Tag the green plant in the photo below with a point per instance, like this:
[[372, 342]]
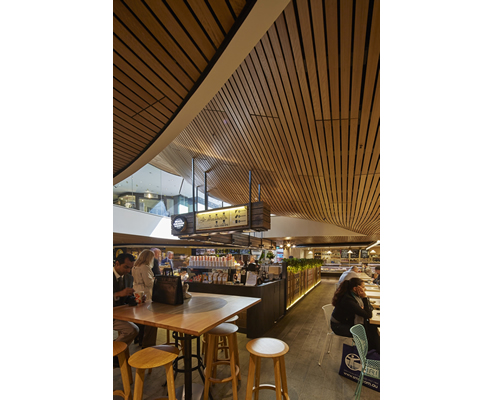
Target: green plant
[[295, 265]]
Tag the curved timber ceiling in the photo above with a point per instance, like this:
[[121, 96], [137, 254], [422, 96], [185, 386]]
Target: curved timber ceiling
[[169, 59], [301, 112]]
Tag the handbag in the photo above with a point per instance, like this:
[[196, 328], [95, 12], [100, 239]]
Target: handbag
[[167, 290], [351, 366]]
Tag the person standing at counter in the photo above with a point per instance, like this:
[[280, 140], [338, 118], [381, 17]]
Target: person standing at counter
[[352, 307], [157, 261], [252, 264], [169, 259]]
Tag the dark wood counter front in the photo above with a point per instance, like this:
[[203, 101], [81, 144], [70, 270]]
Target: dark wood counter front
[[257, 320]]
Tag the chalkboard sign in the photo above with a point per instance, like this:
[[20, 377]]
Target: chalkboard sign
[[355, 254], [364, 254]]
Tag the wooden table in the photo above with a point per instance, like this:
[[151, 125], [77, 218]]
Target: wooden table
[[373, 294], [371, 286], [194, 317], [363, 276], [376, 303], [376, 317]]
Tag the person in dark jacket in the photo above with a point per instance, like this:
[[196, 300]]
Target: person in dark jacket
[[352, 307], [157, 261], [122, 293]]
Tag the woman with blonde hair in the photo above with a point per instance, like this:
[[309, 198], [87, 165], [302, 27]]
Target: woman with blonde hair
[[143, 277], [143, 280]]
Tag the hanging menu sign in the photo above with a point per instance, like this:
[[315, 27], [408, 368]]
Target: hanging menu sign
[[222, 218]]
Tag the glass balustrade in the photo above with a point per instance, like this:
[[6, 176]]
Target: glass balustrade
[[158, 192]]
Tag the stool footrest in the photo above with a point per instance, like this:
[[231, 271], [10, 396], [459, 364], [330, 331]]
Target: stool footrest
[[120, 393], [271, 387], [228, 379]]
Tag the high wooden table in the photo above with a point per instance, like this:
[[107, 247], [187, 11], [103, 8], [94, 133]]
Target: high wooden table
[[194, 317], [376, 318], [373, 294], [376, 303], [364, 276], [371, 286]]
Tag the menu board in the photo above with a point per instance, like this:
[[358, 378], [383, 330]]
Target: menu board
[[222, 218], [251, 278], [345, 254], [364, 254]]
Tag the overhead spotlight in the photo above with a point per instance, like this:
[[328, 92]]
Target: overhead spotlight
[[293, 245], [281, 246], [288, 244]]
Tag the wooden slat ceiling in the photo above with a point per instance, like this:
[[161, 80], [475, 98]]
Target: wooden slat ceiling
[[302, 113], [161, 50]]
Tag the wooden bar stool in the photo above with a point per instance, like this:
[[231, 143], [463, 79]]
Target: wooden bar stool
[[127, 352], [233, 320], [212, 360], [119, 349], [267, 348], [222, 341], [152, 357], [171, 350]]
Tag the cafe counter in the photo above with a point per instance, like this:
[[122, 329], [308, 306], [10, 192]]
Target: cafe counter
[[257, 320]]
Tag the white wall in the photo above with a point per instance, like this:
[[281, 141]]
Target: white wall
[[285, 226], [134, 222]]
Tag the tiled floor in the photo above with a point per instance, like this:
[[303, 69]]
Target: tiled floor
[[304, 329]]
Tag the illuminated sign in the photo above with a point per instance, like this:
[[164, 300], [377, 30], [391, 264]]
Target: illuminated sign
[[179, 223], [222, 218]]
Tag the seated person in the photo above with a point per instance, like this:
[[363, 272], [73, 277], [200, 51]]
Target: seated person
[[352, 307], [122, 293], [349, 274], [143, 279], [377, 276], [367, 270]]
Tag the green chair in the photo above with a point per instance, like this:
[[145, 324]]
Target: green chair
[[328, 309], [369, 367]]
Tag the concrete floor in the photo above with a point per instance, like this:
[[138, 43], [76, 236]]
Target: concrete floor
[[304, 329]]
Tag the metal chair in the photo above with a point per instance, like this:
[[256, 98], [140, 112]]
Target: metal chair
[[328, 309], [369, 367]]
